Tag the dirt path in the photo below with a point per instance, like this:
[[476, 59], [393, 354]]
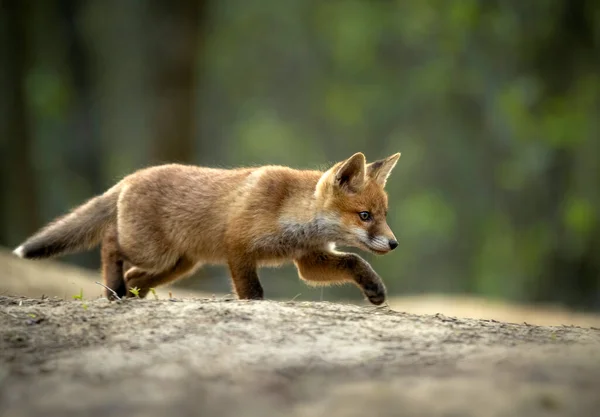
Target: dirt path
[[235, 358]]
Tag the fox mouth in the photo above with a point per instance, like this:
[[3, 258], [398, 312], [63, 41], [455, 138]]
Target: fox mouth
[[377, 251], [378, 245]]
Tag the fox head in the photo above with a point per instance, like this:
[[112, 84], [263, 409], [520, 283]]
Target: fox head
[[352, 197]]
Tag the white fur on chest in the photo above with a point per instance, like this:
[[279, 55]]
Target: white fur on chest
[[295, 238]]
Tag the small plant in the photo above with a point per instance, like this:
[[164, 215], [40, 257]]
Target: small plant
[[80, 298], [153, 291], [135, 291]]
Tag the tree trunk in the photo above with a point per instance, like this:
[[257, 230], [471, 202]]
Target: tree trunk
[[83, 151], [173, 55], [19, 215]]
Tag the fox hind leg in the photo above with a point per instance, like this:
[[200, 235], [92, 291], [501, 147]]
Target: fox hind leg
[[144, 280], [112, 264], [326, 268]]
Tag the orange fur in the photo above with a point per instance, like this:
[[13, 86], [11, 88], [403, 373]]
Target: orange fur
[[163, 222]]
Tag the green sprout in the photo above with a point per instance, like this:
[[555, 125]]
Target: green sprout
[[153, 291]]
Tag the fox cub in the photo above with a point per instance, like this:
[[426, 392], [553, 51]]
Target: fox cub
[[161, 223]]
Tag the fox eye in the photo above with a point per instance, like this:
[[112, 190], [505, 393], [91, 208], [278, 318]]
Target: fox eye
[[364, 216]]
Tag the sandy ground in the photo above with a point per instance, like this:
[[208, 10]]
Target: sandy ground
[[233, 358], [213, 356], [35, 279]]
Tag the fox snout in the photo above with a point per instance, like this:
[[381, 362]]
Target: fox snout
[[378, 239], [382, 244], [382, 239]]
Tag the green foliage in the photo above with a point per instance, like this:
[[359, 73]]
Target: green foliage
[[80, 298], [153, 291], [466, 90]]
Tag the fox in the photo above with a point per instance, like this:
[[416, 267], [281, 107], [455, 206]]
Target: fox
[[162, 223]]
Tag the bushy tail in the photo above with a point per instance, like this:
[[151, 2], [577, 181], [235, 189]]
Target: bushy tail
[[81, 229]]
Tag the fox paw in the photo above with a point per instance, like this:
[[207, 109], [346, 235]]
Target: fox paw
[[133, 273], [375, 292], [136, 278]]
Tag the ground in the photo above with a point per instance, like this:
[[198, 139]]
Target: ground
[[219, 357], [36, 279]]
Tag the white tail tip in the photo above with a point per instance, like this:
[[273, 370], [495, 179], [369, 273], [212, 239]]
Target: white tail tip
[[20, 251]]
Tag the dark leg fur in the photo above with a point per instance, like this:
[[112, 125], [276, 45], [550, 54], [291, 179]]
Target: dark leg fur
[[329, 268], [112, 264], [245, 280]]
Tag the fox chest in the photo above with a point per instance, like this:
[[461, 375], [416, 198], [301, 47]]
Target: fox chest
[[292, 241]]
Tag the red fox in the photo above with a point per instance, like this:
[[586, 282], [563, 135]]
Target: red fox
[[161, 223]]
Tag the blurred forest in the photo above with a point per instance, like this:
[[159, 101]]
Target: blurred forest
[[494, 105]]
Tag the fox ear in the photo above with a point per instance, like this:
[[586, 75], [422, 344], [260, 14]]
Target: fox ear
[[351, 173], [380, 170]]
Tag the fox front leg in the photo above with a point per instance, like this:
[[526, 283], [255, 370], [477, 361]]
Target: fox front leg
[[245, 279], [325, 268]]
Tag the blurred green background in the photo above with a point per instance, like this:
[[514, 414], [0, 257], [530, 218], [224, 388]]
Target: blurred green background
[[494, 105]]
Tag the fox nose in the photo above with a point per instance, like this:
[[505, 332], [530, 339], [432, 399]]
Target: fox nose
[[393, 244]]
